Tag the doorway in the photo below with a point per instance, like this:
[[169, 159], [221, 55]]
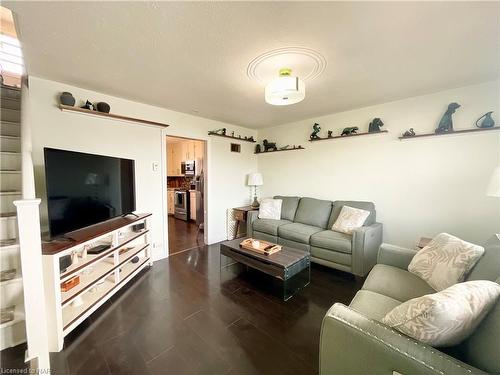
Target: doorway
[[186, 176]]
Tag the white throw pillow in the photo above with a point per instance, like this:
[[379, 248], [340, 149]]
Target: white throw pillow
[[445, 261], [445, 318], [350, 218], [270, 209]]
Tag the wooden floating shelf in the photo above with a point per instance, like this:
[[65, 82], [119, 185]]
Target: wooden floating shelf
[[449, 133], [287, 149], [347, 136], [232, 137], [68, 108]]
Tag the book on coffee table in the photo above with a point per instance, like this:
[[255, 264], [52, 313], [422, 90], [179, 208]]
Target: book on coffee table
[[260, 246]]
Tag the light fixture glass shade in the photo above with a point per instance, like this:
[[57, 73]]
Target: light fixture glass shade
[[255, 179], [494, 185], [285, 89]]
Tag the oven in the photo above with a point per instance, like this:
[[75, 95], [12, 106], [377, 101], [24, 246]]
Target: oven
[[181, 205]]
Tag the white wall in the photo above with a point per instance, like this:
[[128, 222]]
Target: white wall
[[420, 187], [226, 171]]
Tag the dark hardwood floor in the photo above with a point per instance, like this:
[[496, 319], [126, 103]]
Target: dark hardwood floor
[[183, 235], [186, 316]]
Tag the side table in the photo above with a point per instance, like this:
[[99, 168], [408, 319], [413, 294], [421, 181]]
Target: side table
[[240, 214]]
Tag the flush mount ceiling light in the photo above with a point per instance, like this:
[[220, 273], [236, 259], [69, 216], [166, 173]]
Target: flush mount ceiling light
[[286, 89]]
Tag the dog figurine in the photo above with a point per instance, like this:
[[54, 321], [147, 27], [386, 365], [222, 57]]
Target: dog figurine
[[349, 130], [269, 146], [446, 122], [375, 125]]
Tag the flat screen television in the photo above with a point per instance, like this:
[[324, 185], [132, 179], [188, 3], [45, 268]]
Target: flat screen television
[[85, 189]]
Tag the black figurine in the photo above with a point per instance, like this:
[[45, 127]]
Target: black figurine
[[330, 133], [269, 146], [88, 105], [257, 149], [251, 139], [409, 133], [375, 125], [349, 130], [446, 122], [232, 134], [488, 121], [314, 134]]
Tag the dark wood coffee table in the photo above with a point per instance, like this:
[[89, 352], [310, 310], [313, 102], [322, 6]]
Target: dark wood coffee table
[[291, 266]]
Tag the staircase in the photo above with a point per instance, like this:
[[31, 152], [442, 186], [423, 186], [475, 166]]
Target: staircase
[[12, 332]]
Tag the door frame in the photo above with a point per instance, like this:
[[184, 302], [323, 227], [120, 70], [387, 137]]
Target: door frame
[[164, 186]]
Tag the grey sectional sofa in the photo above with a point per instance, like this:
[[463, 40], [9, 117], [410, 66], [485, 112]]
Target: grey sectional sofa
[[382, 350], [305, 224]]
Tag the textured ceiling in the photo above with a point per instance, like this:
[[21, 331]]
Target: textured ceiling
[[195, 56]]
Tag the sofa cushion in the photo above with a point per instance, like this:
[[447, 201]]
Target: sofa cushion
[[373, 305], [297, 232], [331, 256], [313, 212], [396, 283], [269, 226], [288, 207], [329, 239], [337, 207]]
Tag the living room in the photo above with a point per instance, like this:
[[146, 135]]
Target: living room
[[367, 139]]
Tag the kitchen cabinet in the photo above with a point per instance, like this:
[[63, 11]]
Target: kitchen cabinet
[[171, 202], [192, 202]]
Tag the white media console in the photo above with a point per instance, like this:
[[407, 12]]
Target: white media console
[[100, 275]]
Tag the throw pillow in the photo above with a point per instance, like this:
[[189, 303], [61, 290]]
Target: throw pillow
[[448, 317], [349, 219], [445, 261], [270, 209]]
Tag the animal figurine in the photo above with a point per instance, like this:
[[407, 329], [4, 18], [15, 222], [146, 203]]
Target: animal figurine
[[446, 122], [314, 134], [257, 149], [375, 125], [269, 146], [221, 131], [488, 121], [330, 133], [251, 139], [409, 133], [349, 130], [88, 105]]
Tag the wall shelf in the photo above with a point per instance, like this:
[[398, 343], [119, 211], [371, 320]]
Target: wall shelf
[[449, 133], [232, 137], [67, 108], [348, 136], [287, 149]]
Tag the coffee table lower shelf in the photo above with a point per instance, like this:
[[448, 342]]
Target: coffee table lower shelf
[[292, 267]]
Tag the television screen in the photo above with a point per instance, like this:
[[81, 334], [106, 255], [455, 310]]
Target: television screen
[[85, 189]]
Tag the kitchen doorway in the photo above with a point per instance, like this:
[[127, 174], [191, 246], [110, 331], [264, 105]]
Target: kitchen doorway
[[186, 176]]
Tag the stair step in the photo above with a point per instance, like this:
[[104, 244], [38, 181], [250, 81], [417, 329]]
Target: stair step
[[10, 143], [7, 199], [10, 128], [11, 103], [10, 192], [9, 171], [9, 245], [10, 160], [18, 317], [16, 280], [10, 180], [12, 115]]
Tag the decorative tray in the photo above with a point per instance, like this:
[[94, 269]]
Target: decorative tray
[[260, 246]]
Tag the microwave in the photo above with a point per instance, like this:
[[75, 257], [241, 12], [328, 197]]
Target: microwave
[[188, 168]]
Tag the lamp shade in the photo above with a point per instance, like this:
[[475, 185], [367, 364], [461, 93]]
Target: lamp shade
[[255, 179], [285, 89], [494, 185]]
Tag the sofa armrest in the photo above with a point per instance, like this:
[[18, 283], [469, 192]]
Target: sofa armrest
[[365, 243], [251, 217], [352, 344], [395, 256]]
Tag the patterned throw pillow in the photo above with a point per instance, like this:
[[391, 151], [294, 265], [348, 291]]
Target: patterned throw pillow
[[445, 261], [350, 218], [270, 209], [445, 318]]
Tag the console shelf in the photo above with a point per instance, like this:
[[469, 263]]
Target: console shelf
[[286, 149], [100, 275], [232, 137]]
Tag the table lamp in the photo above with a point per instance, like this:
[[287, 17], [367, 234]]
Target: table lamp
[[255, 179]]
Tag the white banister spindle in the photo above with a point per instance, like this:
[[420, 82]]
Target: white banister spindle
[[34, 295]]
